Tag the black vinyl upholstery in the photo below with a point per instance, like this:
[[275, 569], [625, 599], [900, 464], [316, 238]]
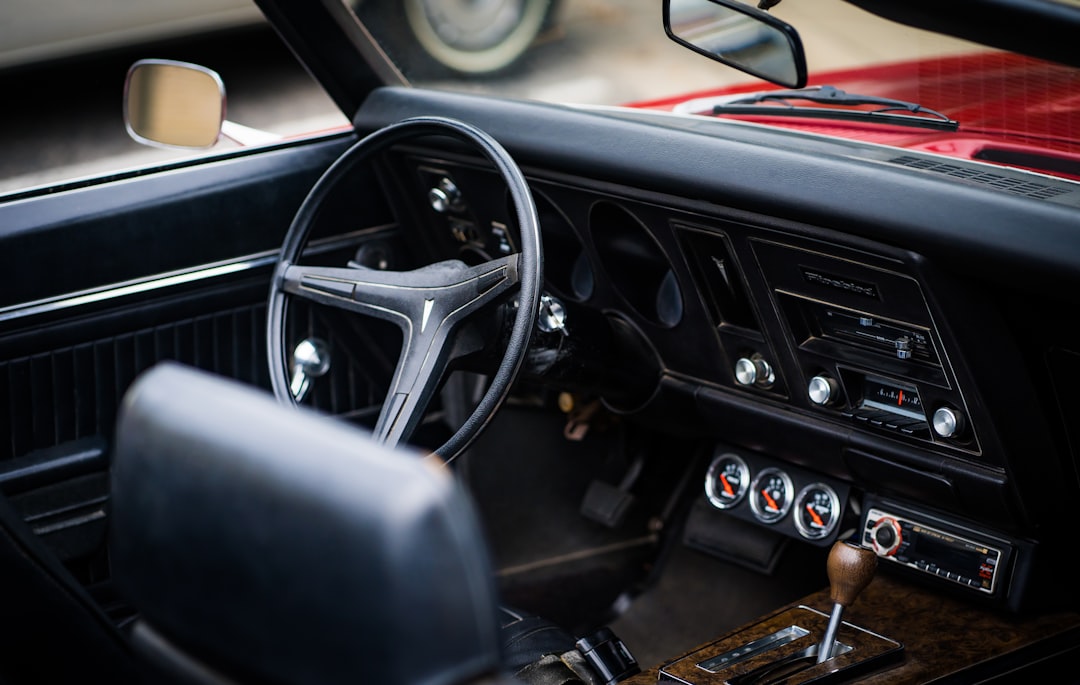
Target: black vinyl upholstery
[[271, 544]]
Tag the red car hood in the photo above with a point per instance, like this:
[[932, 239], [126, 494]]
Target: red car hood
[[1012, 110]]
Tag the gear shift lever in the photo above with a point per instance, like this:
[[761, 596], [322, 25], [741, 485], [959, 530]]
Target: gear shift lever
[[850, 570], [784, 647]]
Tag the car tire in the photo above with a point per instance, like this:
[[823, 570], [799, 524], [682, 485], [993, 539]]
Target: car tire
[[458, 36]]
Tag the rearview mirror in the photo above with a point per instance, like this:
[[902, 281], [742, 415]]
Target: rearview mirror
[[173, 104], [740, 36]]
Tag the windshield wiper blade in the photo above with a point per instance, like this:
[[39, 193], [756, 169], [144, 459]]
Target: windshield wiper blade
[[890, 108]]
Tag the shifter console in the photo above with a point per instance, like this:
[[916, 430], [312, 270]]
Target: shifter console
[[798, 645], [784, 646]]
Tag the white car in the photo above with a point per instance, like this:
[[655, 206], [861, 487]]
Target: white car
[[462, 36], [33, 31], [466, 36]]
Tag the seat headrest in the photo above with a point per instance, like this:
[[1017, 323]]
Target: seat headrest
[[278, 545]]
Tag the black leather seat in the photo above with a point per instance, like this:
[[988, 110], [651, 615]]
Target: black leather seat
[[264, 544]]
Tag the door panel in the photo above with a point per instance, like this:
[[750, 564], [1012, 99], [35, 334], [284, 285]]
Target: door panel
[[173, 264]]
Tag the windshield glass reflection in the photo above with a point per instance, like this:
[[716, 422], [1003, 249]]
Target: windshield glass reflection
[[611, 52]]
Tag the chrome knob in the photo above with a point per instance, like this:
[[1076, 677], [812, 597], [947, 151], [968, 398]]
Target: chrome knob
[[822, 390], [754, 370], [552, 315], [903, 347], [444, 196], [948, 422], [311, 359]]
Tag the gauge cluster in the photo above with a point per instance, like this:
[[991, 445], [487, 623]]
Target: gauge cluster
[[788, 499]]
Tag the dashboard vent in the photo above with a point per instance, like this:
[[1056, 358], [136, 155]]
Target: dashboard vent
[[717, 272], [982, 177]]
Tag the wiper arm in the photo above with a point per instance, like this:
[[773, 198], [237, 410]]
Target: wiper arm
[[745, 104], [831, 95]]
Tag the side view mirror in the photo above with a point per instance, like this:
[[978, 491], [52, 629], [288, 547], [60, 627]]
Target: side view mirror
[[173, 104], [740, 36], [181, 105]]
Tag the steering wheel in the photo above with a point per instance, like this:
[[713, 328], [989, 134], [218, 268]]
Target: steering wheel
[[429, 304]]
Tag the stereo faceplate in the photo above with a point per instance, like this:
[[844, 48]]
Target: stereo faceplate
[[937, 548]]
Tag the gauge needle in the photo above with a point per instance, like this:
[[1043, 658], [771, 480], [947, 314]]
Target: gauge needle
[[727, 486], [769, 499], [814, 515]]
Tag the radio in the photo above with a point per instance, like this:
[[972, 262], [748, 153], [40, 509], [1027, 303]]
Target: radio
[[936, 548]]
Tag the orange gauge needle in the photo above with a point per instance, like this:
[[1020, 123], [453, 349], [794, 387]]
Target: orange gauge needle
[[727, 486], [814, 515], [769, 499]]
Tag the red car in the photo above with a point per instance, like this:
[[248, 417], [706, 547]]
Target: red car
[[767, 376], [979, 91]]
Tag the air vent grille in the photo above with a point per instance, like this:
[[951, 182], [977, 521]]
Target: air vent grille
[[719, 276], [1008, 184]]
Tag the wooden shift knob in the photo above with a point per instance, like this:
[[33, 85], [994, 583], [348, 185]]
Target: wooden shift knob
[[850, 570]]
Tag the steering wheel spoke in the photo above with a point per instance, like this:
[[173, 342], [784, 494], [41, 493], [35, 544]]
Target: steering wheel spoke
[[428, 304], [424, 359], [441, 291]]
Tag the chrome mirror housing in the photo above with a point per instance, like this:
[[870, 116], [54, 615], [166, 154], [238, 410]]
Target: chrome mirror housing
[[173, 104]]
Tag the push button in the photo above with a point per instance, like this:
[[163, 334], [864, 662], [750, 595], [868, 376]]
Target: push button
[[898, 422], [916, 430], [867, 416]]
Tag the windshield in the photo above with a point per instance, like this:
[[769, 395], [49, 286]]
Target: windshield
[[68, 69], [615, 52]]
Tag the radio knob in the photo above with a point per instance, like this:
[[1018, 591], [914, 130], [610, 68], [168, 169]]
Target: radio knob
[[948, 422], [754, 370], [903, 347], [885, 536], [822, 390]]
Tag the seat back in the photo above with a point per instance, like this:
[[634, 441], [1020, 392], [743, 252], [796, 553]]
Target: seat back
[[268, 544]]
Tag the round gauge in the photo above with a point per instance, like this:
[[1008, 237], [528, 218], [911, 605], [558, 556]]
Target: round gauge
[[817, 510], [727, 480], [770, 495]]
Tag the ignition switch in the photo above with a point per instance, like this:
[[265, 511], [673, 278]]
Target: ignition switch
[[445, 196], [552, 315]]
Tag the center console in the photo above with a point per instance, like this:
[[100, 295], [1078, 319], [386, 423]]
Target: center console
[[781, 648], [893, 632]]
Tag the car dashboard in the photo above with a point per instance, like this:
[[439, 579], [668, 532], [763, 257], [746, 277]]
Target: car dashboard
[[868, 344], [839, 318]]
